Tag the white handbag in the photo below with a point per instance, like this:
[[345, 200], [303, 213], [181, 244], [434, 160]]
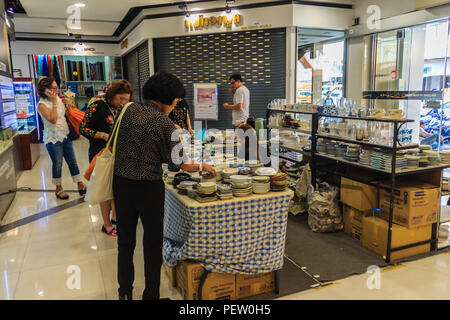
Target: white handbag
[[99, 188]]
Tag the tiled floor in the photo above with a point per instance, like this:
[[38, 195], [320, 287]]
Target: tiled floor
[[41, 259]]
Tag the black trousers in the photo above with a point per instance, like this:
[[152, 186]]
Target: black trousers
[[139, 199]]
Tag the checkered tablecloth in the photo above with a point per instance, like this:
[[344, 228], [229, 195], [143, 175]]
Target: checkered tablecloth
[[240, 235]]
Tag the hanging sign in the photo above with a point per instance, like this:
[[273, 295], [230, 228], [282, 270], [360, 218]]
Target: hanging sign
[[206, 105]]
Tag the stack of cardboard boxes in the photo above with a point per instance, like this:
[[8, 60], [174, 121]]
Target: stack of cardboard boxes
[[416, 207], [186, 276]]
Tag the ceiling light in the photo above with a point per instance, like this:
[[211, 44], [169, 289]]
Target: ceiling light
[[186, 11], [80, 5]]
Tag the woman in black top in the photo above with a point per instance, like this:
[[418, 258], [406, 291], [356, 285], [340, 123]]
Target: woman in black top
[[97, 124], [180, 116], [144, 142]]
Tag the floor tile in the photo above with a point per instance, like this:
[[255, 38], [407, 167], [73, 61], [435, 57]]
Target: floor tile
[[12, 257], [54, 282], [68, 250], [8, 283]]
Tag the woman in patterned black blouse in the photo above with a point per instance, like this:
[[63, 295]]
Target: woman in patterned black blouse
[[97, 124], [180, 115], [144, 142]]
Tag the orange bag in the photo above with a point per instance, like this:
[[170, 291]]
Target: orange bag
[[75, 116], [90, 169]]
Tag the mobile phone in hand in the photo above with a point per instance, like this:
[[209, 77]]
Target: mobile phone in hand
[[49, 93]]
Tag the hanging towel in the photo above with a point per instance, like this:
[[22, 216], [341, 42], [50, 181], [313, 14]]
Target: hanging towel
[[45, 67], [56, 74], [50, 65], [61, 70], [36, 65], [81, 71], [69, 70]]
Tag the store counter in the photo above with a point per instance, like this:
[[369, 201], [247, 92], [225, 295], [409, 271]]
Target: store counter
[[7, 177], [29, 143], [242, 235]]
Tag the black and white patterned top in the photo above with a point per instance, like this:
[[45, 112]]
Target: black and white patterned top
[[143, 143]]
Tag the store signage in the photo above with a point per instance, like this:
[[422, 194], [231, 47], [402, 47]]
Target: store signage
[[78, 49], [403, 95], [204, 22]]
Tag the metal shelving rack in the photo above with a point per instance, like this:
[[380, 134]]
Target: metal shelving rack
[[314, 126], [394, 173]]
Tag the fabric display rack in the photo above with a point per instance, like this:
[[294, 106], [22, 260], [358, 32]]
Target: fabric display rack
[[384, 173]]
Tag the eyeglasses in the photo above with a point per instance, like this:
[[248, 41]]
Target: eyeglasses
[[54, 88]]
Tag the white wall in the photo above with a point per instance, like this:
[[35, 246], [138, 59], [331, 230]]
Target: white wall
[[322, 17], [20, 61]]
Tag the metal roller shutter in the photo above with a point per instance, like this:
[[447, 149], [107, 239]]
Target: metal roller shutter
[[137, 59], [259, 56]]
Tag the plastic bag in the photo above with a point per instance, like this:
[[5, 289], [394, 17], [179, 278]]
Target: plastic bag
[[324, 213], [301, 189]]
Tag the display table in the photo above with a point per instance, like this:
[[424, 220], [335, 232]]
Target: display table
[[243, 235], [8, 183]]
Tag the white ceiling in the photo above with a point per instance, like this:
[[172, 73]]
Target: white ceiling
[[105, 10], [98, 17]]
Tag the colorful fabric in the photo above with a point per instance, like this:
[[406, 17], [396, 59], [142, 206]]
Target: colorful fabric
[[235, 236]]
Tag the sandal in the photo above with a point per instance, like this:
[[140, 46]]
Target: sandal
[[113, 222], [60, 197], [112, 233], [82, 192]]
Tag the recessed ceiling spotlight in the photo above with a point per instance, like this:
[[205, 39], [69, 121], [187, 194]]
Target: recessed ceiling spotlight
[[80, 5]]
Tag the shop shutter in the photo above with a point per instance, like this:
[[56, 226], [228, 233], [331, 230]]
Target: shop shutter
[[137, 60], [259, 56]]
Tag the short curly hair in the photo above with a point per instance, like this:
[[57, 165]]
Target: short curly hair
[[118, 87], [163, 87], [44, 83]]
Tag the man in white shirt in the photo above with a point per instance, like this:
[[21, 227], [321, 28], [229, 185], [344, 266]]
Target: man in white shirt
[[241, 100]]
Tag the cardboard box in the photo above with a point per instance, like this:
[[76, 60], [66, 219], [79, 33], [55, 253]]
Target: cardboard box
[[414, 205], [248, 285], [353, 221], [375, 237], [217, 286], [358, 195], [171, 274]]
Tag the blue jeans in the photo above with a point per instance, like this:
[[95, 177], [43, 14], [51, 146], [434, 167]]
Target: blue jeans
[[59, 150]]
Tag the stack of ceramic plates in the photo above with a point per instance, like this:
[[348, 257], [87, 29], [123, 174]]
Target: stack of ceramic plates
[[278, 182], [241, 185], [445, 157], [341, 150], [424, 147], [195, 176], [365, 158], [245, 171], [170, 176], [400, 163], [375, 159], [254, 165], [321, 146], [218, 174], [184, 185], [206, 192], [206, 188], [208, 177], [413, 161], [228, 172], [261, 184], [265, 171], [433, 157], [413, 152], [423, 161], [352, 153], [330, 148], [224, 191]]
